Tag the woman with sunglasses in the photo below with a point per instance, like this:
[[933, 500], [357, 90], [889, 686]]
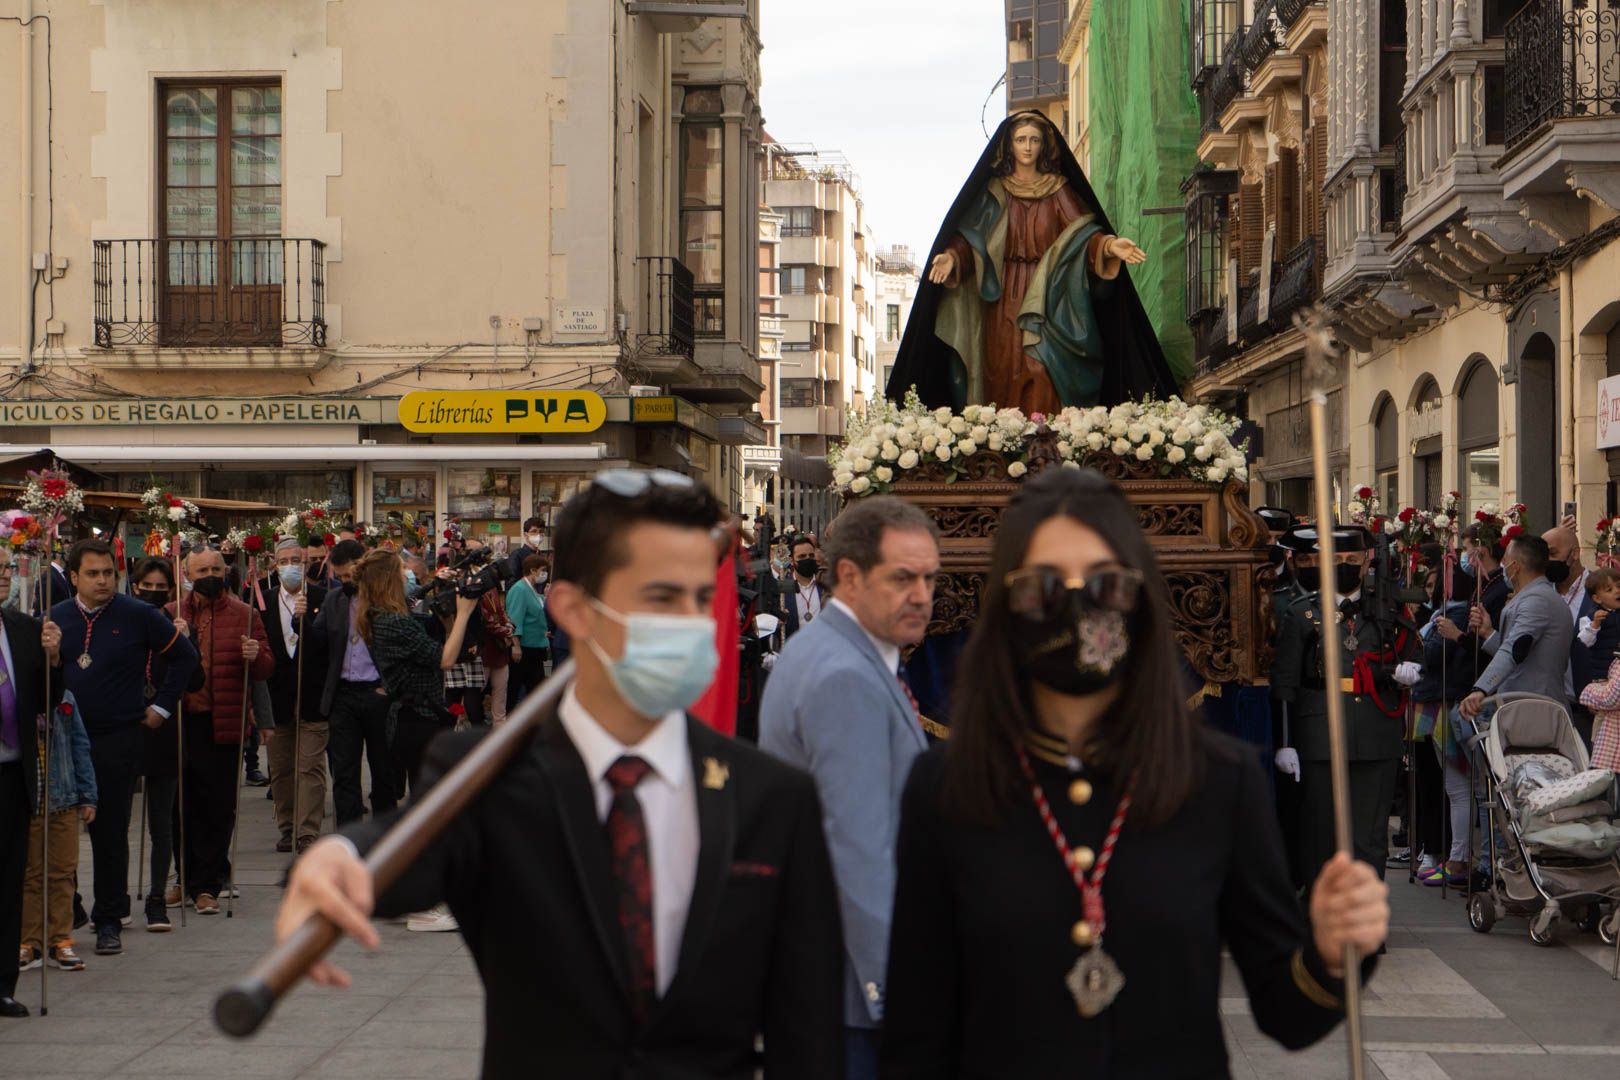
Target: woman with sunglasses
[[1073, 860]]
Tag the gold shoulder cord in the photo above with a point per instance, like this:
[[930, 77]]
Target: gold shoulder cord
[[1310, 987]]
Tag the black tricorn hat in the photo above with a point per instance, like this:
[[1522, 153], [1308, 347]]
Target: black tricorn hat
[[1305, 539], [1276, 518]]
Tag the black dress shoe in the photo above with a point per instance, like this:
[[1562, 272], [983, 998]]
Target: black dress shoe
[[255, 778], [12, 1008]]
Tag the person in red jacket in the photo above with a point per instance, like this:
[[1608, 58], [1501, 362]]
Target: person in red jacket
[[229, 640]]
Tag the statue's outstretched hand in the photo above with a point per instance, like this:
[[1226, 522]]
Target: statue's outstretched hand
[[1125, 250], [943, 267]]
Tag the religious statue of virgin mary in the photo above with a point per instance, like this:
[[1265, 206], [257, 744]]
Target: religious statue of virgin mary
[[1027, 301]]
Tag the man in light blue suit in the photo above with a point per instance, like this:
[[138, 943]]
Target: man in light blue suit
[[835, 706]]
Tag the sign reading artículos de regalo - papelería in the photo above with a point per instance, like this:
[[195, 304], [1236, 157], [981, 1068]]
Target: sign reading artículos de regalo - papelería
[[197, 411]]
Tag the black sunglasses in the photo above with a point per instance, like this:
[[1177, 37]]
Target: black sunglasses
[[1040, 592]]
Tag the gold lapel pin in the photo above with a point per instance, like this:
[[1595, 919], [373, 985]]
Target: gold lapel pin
[[715, 774]]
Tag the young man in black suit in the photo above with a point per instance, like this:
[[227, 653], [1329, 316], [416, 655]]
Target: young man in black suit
[[23, 647], [803, 594], [673, 885]]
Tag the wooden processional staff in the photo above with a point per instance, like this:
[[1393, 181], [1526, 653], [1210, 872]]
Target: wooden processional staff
[[1319, 356]]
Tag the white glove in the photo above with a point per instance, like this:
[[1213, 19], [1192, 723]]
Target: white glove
[[768, 661], [1589, 632], [1407, 673], [1288, 761]]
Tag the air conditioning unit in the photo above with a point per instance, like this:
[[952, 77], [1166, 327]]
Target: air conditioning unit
[[645, 391]]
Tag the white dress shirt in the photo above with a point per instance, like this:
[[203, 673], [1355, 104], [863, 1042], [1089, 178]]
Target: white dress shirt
[[809, 601], [289, 633], [887, 651], [668, 797]]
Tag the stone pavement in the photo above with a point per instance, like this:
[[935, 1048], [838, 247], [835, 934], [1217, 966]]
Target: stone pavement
[[1446, 1002]]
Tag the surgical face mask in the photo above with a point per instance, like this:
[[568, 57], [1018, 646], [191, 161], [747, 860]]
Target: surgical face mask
[[1467, 563], [1557, 571], [540, 578], [350, 588], [1347, 577], [292, 575], [410, 580], [668, 661], [1309, 576], [209, 588], [534, 540], [155, 597], [807, 568]]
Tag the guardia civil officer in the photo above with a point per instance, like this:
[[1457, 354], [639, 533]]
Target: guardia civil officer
[[1373, 645]]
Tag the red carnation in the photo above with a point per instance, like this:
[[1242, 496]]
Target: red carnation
[[1377, 524], [253, 544], [54, 489], [1603, 526], [176, 501], [1407, 515], [448, 535], [65, 709], [22, 523], [458, 710], [1480, 515], [1364, 493], [316, 512], [330, 539], [1513, 532]]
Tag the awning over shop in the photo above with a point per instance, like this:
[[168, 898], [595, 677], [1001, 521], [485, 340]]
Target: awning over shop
[[347, 452], [19, 461]]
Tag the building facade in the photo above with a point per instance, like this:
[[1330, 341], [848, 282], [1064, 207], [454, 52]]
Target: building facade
[[251, 230], [1036, 78], [897, 277], [1466, 218], [1254, 229], [826, 285]]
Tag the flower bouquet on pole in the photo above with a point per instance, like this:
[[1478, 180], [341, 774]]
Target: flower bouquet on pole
[[25, 540], [312, 525], [1607, 542], [49, 497], [168, 518]]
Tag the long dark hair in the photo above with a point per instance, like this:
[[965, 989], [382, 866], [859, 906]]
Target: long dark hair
[[1149, 732], [1048, 161]]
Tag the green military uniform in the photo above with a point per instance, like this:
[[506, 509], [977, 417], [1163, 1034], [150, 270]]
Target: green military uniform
[[1373, 738]]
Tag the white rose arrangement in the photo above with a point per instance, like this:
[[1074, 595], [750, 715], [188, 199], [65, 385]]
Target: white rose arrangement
[[1173, 438]]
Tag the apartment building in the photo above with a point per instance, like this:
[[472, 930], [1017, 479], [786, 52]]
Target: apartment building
[[239, 234]]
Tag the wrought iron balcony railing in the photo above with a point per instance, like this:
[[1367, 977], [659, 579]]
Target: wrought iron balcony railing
[[1563, 61], [1212, 24], [1289, 11], [667, 307], [1263, 38], [210, 292], [1227, 82], [1296, 281]]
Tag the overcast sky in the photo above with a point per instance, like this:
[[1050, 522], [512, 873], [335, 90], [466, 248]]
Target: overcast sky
[[897, 86]]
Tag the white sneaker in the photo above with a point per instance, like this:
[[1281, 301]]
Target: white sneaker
[[433, 920], [1426, 866]]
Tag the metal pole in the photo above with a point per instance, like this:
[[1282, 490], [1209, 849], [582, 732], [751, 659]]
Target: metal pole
[[180, 748], [45, 800], [140, 861], [298, 718], [241, 743], [1332, 668]]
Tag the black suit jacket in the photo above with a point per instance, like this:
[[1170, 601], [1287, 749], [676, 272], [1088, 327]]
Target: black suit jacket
[[790, 602], [328, 642], [28, 677], [526, 871], [284, 684]]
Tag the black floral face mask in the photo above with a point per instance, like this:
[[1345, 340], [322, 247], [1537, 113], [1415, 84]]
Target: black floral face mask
[[1073, 637]]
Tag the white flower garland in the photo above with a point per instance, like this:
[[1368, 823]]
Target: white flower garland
[[888, 440]]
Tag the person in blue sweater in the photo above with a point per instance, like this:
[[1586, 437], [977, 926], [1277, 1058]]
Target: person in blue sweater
[[106, 640]]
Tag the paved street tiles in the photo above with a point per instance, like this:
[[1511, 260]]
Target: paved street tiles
[[1445, 1004]]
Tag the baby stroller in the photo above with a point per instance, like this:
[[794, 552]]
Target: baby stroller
[[1552, 829]]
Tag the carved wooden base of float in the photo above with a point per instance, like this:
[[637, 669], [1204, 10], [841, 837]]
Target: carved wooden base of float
[[1211, 547]]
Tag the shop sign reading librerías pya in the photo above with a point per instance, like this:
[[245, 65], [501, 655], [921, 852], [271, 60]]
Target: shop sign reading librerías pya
[[136, 411], [494, 412]]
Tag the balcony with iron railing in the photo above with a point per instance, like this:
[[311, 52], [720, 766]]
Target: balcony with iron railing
[[1226, 84], [1289, 11], [1263, 37], [666, 326], [1297, 280], [1563, 62], [264, 292], [1213, 22]]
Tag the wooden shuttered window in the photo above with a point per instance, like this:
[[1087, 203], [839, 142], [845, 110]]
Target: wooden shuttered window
[[1251, 230], [1288, 211]]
